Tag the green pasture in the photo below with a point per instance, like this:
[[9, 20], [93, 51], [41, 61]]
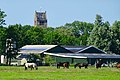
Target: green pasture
[[52, 73]]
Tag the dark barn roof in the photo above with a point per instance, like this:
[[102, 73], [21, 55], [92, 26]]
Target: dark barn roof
[[74, 49], [66, 51], [37, 49], [91, 49], [58, 49], [83, 49], [87, 55], [85, 52]]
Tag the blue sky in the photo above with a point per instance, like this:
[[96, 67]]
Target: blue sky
[[60, 12]]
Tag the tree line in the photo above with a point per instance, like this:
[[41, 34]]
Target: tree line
[[100, 34]]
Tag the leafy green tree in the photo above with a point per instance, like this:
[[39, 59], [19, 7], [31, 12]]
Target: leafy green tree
[[52, 38], [34, 36], [48, 30], [80, 30], [65, 30], [2, 16], [48, 35], [2, 40], [14, 32], [49, 60], [98, 21], [23, 39], [34, 57], [104, 32], [2, 32], [10, 50], [94, 36], [115, 38], [99, 36]]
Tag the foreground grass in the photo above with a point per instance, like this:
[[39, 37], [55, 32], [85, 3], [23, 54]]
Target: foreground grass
[[51, 73]]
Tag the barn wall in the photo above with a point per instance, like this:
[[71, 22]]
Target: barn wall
[[70, 60], [112, 60], [107, 60], [89, 60], [62, 59], [92, 61], [79, 61]]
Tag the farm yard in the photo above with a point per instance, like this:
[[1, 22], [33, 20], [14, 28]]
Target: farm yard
[[52, 73], [58, 54], [72, 49]]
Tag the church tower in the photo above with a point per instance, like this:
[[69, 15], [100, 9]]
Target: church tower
[[40, 19]]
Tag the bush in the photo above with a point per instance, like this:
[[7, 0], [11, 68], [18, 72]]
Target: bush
[[3, 64]]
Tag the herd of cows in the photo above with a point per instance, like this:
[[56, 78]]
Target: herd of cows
[[67, 64]]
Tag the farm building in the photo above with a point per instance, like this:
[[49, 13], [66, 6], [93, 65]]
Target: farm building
[[72, 54], [40, 49], [88, 54]]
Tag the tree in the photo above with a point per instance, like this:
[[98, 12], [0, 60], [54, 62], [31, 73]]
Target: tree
[[34, 36], [15, 32], [75, 33], [104, 34], [98, 21], [22, 35], [49, 60], [115, 38], [80, 28], [2, 40], [2, 32], [99, 36], [14, 36], [10, 50], [52, 38], [2, 16], [94, 36], [67, 37], [33, 58]]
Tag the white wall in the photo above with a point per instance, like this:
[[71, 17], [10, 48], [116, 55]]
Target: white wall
[[2, 58]]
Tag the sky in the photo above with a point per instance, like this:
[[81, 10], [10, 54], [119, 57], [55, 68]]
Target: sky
[[60, 12]]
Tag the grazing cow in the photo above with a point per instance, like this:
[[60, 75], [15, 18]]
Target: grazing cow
[[81, 65], [63, 64], [118, 65], [30, 65], [98, 63]]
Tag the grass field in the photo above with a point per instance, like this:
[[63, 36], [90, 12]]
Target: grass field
[[51, 73]]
